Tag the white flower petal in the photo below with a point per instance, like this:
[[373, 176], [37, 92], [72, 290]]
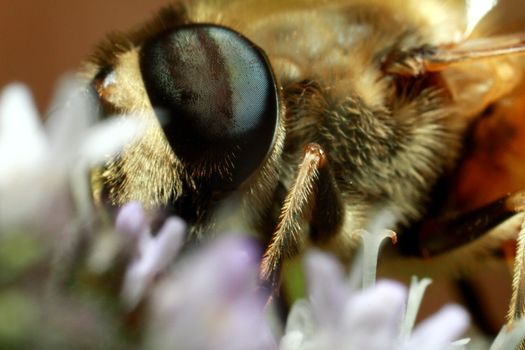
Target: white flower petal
[[326, 287], [73, 111], [371, 318], [415, 295], [107, 138], [372, 241], [292, 340], [440, 330], [510, 338], [299, 325], [460, 344], [23, 141]]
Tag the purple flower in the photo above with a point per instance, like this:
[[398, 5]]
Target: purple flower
[[153, 253], [208, 299], [211, 301], [336, 316]]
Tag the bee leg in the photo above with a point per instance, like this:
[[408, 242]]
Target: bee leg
[[517, 305], [407, 62], [327, 212], [441, 235], [312, 186]]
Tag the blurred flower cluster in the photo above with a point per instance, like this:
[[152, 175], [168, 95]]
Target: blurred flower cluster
[[71, 279]]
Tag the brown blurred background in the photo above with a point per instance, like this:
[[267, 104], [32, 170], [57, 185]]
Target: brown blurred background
[[41, 40]]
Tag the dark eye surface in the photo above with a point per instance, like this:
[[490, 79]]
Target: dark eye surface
[[215, 96]]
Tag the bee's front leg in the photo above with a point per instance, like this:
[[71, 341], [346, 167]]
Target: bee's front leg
[[314, 197]]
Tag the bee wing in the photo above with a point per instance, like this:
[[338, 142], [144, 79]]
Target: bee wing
[[472, 50], [477, 71], [425, 59]]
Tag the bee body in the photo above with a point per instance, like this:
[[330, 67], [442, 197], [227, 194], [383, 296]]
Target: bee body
[[337, 142]]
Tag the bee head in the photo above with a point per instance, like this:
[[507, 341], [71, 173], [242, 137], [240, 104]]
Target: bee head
[[215, 97], [213, 113]]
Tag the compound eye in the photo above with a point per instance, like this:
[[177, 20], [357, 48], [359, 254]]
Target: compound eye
[[215, 96]]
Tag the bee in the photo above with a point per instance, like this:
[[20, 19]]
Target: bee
[[306, 121]]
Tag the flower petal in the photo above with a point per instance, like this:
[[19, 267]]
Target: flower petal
[[510, 338], [155, 253], [107, 138], [372, 317], [22, 138], [372, 239], [415, 295], [326, 287], [131, 220], [211, 301], [440, 330], [299, 325], [74, 110]]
